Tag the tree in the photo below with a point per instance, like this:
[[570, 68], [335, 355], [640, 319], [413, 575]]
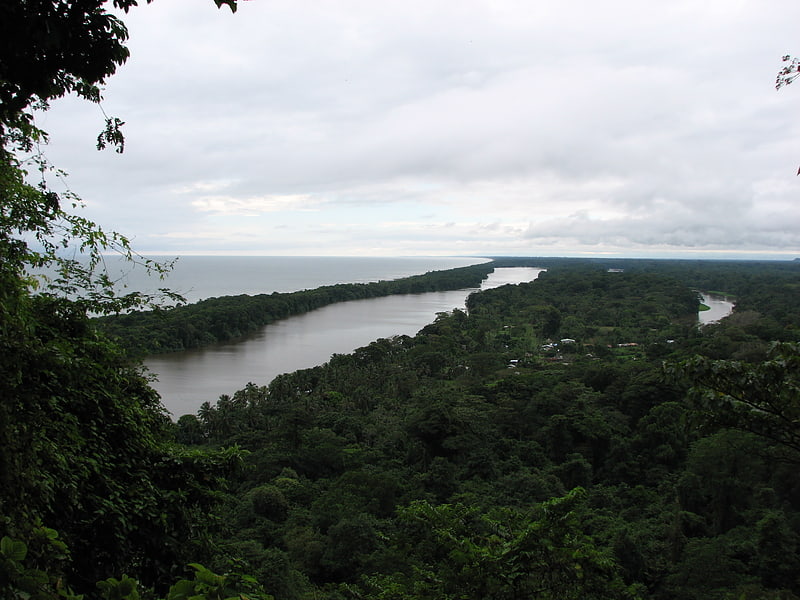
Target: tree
[[762, 398], [86, 443], [788, 74], [48, 49], [459, 552], [51, 48]]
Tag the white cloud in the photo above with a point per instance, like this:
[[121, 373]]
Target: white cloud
[[203, 187], [483, 127], [228, 205]]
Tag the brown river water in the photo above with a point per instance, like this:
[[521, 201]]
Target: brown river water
[[187, 379]]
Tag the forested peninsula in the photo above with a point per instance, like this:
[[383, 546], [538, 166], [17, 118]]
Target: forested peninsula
[[227, 318]]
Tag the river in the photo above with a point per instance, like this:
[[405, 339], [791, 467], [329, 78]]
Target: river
[[719, 306], [187, 379]]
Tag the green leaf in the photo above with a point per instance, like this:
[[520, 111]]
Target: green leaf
[[126, 586], [13, 549], [182, 589]]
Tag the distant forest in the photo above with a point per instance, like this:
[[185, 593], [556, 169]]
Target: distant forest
[[579, 436], [217, 320]]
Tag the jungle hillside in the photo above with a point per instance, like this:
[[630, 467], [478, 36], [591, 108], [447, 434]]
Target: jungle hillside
[[576, 437]]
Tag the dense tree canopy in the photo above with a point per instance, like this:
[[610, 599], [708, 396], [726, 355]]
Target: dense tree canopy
[[430, 467], [91, 483], [560, 439]]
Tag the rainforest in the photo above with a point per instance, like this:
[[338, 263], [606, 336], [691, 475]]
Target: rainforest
[[579, 436]]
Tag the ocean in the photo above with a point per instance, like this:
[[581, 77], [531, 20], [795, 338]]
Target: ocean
[[199, 277]]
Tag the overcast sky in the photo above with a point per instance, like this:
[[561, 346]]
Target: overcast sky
[[535, 128]]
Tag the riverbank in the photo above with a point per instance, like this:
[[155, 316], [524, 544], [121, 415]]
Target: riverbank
[[228, 318], [714, 307], [187, 379]]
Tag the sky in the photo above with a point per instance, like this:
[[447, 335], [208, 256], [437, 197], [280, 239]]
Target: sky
[[636, 128]]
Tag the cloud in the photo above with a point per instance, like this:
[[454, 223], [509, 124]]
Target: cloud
[[228, 205], [486, 127]]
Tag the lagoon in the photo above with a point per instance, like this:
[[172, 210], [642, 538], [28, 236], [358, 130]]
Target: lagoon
[[187, 379]]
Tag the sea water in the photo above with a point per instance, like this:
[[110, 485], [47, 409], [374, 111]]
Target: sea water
[[200, 277]]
